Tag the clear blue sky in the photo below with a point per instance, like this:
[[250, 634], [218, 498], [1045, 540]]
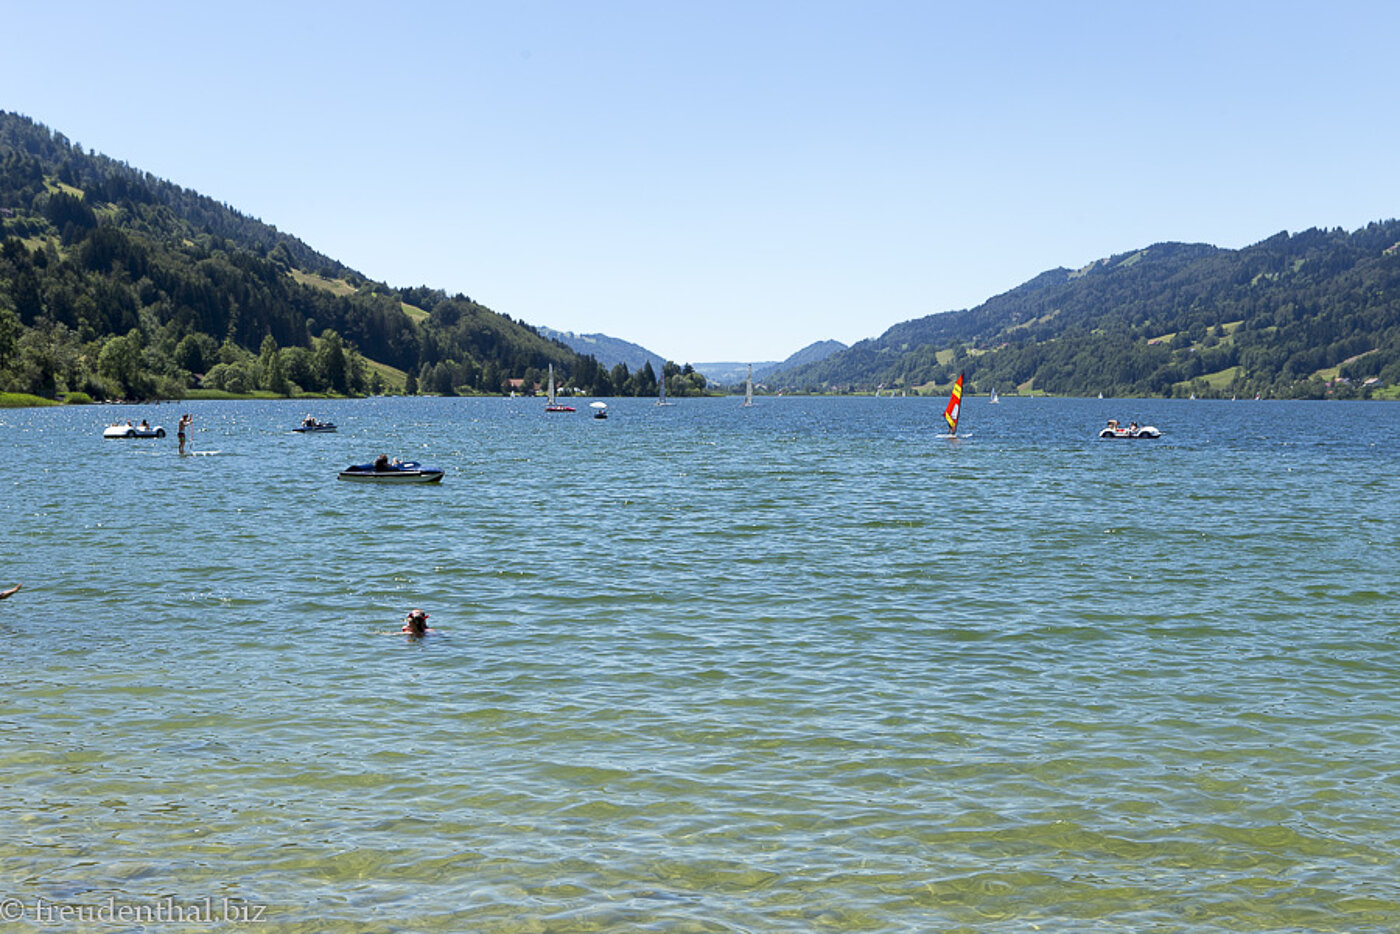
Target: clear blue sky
[[724, 180]]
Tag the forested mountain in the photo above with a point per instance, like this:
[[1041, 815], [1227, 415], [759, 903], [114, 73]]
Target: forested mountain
[[1312, 315], [116, 283], [119, 284]]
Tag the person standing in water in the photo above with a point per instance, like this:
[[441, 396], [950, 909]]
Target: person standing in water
[[183, 429]]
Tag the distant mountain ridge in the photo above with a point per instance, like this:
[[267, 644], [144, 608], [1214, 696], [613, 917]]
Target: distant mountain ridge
[[1308, 315], [731, 373], [812, 353], [608, 351]]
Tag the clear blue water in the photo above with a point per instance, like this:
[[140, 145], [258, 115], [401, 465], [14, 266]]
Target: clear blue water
[[800, 667]]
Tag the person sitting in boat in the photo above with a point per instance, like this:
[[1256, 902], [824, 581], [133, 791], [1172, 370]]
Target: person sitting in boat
[[416, 624], [1132, 426], [1113, 424], [381, 463], [145, 425], [308, 422]]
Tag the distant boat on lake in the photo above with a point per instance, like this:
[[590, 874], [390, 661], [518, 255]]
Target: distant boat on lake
[[994, 399], [552, 404], [748, 387], [661, 391]]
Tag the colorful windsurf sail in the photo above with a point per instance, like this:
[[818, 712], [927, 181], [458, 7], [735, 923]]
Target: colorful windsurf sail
[[954, 409]]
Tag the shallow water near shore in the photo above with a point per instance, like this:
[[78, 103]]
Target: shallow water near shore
[[804, 666]]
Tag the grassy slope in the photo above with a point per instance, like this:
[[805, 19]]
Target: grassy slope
[[393, 377], [334, 286]]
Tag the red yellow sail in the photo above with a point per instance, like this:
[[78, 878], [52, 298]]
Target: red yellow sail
[[954, 409]]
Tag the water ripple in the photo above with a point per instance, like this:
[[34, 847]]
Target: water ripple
[[796, 668]]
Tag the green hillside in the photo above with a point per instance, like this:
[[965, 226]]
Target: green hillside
[[1312, 315], [115, 283]]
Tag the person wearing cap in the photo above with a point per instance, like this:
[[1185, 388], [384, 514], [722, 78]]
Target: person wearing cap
[[416, 623]]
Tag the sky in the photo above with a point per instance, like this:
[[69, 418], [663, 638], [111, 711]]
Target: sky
[[731, 181]]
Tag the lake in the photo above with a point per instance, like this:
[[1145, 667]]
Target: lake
[[805, 666]]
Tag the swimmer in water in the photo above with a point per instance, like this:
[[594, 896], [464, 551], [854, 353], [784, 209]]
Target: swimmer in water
[[416, 624]]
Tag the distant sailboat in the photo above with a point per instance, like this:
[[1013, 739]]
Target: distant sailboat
[[954, 409], [551, 404], [748, 387], [995, 400], [661, 391]]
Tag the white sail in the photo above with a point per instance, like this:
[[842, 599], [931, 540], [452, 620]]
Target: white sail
[[553, 404], [748, 387]]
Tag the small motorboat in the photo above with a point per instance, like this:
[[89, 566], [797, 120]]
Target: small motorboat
[[394, 472], [312, 425], [128, 430], [1134, 430], [600, 409]]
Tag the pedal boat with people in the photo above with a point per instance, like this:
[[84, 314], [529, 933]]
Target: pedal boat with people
[[399, 472], [312, 425], [1134, 430], [133, 431]]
